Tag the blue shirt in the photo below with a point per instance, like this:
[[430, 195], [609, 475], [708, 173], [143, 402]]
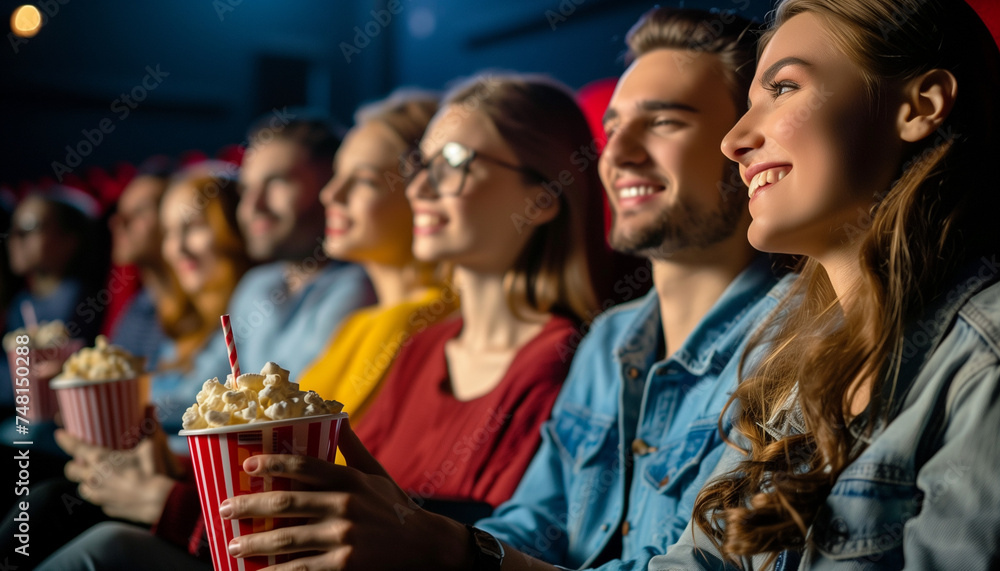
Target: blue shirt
[[138, 329], [271, 324], [618, 397], [924, 494]]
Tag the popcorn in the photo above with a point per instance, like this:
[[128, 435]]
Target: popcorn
[[47, 334], [254, 398], [103, 362]]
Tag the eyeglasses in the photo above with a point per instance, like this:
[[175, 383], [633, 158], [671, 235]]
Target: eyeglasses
[[449, 167]]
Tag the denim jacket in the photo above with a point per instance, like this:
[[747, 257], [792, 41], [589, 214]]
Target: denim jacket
[[925, 493], [619, 398]]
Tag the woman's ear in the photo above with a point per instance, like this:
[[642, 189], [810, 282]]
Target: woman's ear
[[927, 102]]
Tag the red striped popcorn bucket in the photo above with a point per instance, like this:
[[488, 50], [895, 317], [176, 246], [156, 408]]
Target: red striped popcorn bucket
[[104, 413], [217, 455], [31, 374]]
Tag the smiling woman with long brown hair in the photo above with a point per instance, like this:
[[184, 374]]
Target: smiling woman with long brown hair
[[867, 435]]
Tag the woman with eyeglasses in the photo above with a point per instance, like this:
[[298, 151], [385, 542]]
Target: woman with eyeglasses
[[498, 201]]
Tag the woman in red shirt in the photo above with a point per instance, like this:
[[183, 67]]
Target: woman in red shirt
[[498, 200]]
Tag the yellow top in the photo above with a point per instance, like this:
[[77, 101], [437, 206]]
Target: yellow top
[[360, 353]]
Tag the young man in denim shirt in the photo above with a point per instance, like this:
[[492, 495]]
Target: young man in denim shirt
[[636, 428]]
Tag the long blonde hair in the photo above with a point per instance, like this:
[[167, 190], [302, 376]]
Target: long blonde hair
[[922, 229]]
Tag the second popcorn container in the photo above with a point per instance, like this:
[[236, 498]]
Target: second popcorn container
[[102, 394], [34, 362], [310, 427]]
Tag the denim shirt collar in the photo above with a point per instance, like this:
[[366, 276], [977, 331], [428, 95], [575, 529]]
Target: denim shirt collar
[[707, 344], [923, 335], [920, 339]]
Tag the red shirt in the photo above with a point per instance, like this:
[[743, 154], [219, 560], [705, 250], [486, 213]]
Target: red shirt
[[436, 446]]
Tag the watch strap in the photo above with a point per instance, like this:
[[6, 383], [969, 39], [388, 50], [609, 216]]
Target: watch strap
[[488, 549]]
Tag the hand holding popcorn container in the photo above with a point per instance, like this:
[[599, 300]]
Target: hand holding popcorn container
[[102, 394], [250, 415], [48, 348]]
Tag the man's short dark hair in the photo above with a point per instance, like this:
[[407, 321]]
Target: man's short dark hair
[[725, 34], [318, 134]]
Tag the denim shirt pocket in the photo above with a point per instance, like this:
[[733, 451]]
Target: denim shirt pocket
[[676, 464], [579, 433], [865, 514]]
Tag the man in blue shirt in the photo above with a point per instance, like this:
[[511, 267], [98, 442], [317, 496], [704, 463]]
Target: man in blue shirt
[[285, 310], [635, 431]]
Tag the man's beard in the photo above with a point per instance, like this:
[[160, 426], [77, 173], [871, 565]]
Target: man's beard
[[680, 227]]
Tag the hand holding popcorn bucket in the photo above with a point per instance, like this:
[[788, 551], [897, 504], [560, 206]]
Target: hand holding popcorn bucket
[[250, 415]]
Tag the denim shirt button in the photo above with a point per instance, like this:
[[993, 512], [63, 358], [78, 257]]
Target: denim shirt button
[[641, 448], [605, 527], [625, 528], [633, 373]]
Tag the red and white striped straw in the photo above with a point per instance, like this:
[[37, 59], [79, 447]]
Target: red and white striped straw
[[227, 330]]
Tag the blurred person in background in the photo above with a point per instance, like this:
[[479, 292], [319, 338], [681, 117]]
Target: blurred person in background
[[203, 248], [369, 222], [58, 246], [286, 309], [205, 251], [10, 284], [136, 237]]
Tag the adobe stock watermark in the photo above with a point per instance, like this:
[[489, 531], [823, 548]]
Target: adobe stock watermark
[[461, 453], [899, 17], [734, 185], [863, 223], [278, 120], [223, 7], [565, 9], [712, 31], [551, 190], [629, 286], [804, 111], [596, 487], [927, 331], [363, 35], [296, 275], [376, 367], [122, 107]]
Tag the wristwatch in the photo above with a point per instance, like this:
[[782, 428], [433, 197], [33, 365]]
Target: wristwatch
[[488, 550]]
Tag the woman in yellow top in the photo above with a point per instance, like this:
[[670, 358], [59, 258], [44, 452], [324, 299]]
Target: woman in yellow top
[[369, 222]]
